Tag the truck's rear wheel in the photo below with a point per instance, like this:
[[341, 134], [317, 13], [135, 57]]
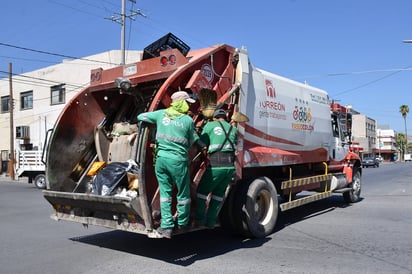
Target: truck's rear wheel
[[230, 216], [40, 181], [353, 195], [227, 214], [260, 208]]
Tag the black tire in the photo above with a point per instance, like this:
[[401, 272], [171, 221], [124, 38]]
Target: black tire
[[234, 210], [40, 181], [226, 215], [353, 195], [260, 208]]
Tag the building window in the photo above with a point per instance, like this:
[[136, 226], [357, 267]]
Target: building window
[[26, 100], [5, 104], [58, 94]]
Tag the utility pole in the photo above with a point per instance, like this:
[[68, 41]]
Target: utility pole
[[11, 105], [121, 19]]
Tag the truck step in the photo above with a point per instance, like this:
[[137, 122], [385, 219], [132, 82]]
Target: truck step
[[306, 181], [305, 200]]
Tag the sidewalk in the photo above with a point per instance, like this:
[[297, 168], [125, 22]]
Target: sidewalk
[[7, 178]]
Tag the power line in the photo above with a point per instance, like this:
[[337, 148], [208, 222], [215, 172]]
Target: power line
[[23, 117], [35, 78], [41, 84], [76, 9], [121, 19], [54, 54], [108, 2], [408, 68], [68, 90], [394, 71], [374, 81], [26, 59], [96, 6]]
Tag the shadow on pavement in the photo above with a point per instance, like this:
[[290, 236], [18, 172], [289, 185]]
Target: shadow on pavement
[[181, 250], [188, 248]]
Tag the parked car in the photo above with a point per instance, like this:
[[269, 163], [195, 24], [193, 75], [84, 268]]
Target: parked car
[[370, 161]]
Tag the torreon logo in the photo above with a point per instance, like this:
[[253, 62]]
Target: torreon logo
[[273, 108], [271, 93], [270, 89]]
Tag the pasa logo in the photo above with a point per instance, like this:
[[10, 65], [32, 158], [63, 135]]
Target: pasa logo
[[207, 72], [166, 121], [218, 131]]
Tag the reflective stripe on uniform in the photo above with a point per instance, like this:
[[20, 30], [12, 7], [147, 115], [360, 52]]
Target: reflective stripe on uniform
[[217, 198], [165, 199], [217, 146], [201, 196], [183, 202], [176, 139]]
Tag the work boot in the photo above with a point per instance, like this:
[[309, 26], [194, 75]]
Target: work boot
[[164, 233], [196, 224], [180, 229]]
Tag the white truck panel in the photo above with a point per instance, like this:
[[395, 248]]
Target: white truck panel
[[285, 114], [29, 161]]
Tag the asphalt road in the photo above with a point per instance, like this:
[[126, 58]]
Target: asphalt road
[[372, 236]]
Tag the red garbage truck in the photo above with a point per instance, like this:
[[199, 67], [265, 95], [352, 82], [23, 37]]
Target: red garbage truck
[[293, 147]]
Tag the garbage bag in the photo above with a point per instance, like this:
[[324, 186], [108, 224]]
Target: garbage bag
[[112, 176]]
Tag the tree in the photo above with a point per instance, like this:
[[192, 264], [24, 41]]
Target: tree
[[404, 110], [400, 141]]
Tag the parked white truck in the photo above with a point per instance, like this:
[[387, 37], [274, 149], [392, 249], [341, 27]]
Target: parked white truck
[[293, 146], [407, 157], [29, 164]]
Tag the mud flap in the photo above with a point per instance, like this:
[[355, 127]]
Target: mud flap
[[348, 170]]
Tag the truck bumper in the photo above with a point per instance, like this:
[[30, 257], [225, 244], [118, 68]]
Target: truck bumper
[[122, 213]]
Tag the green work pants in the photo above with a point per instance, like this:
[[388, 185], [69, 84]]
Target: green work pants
[[214, 182], [169, 171]]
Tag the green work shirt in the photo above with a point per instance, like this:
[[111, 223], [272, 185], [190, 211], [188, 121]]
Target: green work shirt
[[213, 136], [175, 133]]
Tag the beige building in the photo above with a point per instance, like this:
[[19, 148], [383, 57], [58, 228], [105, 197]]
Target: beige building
[[364, 133], [371, 140], [40, 95]]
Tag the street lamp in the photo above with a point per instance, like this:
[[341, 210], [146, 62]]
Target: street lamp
[[406, 145]]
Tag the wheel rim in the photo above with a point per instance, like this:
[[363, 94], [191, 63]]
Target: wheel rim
[[263, 207], [356, 184], [41, 182]]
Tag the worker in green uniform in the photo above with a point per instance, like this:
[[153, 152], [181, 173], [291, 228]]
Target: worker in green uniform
[[220, 138], [174, 136]]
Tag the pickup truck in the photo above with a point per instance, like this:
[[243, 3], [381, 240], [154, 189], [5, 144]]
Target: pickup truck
[[29, 164]]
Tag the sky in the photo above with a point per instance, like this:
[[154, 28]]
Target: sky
[[353, 49]]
